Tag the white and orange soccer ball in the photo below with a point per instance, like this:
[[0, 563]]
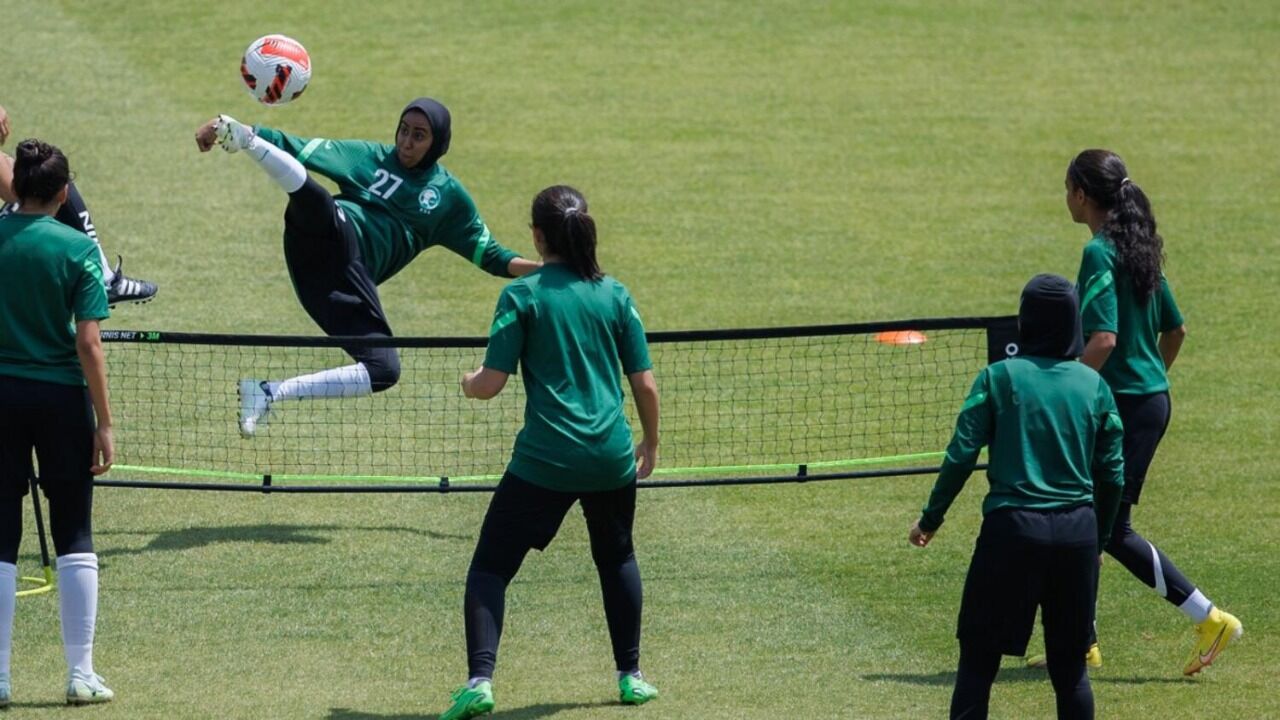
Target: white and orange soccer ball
[[276, 69]]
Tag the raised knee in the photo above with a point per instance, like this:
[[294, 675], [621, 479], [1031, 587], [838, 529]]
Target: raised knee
[[384, 372]]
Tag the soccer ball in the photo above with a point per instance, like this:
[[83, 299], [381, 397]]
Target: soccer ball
[[276, 69]]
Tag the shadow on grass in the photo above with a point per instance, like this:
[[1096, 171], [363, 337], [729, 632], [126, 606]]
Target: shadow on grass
[[1010, 674], [196, 537], [541, 710]]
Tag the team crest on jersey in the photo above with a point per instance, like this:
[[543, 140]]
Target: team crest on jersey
[[428, 200]]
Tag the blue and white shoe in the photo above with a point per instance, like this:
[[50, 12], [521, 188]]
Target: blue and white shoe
[[255, 406], [89, 690], [6, 691]]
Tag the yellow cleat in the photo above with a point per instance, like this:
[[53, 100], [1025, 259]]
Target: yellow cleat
[[1213, 636], [1093, 658]]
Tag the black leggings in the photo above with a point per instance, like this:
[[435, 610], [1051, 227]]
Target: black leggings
[[1145, 418], [331, 281], [75, 214], [979, 666], [523, 516], [56, 422]]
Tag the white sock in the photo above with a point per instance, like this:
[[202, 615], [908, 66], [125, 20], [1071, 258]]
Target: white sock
[[1196, 607], [107, 273], [279, 165], [347, 381], [477, 680], [78, 598], [8, 602]]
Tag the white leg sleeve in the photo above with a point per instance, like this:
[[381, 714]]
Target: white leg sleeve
[[8, 603], [279, 165], [347, 381], [107, 273], [78, 599]]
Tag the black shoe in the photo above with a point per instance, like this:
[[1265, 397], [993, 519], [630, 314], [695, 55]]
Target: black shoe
[[128, 290]]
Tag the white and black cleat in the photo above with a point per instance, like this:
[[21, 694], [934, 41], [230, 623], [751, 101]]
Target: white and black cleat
[[123, 289]]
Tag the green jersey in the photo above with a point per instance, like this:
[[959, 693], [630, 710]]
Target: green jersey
[[568, 336], [50, 274], [1055, 438], [1108, 303], [397, 212]]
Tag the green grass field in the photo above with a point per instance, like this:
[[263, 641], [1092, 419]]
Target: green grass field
[[749, 164]]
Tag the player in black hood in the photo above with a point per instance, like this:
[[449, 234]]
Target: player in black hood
[[1049, 319], [1055, 467]]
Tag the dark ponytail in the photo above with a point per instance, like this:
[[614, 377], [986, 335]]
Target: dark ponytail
[[1130, 225], [40, 172], [560, 212]]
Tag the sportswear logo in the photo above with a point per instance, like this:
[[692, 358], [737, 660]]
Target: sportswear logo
[[1207, 657], [428, 200]]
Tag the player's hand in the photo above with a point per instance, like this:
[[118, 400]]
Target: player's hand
[[4, 125], [206, 138], [918, 537], [104, 450], [646, 458]]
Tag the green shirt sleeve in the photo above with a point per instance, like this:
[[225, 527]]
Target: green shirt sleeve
[[1097, 288], [334, 159], [1170, 315], [633, 347], [468, 236], [1107, 466], [506, 334], [89, 297], [973, 432]]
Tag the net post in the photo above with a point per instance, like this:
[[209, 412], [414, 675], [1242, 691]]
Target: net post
[[802, 471], [266, 484]]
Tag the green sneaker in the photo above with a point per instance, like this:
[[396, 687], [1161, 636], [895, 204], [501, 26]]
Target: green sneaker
[[469, 702], [633, 689]]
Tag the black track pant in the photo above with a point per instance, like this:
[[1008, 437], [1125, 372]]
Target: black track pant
[[331, 281], [1024, 560], [523, 516], [75, 214], [1145, 418], [56, 422]]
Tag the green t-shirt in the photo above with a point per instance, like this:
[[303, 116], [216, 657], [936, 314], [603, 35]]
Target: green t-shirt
[[568, 335], [1055, 438], [397, 212], [1108, 303], [50, 277]]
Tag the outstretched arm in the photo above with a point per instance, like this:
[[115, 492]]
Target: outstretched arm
[[6, 179], [6, 162], [519, 266]]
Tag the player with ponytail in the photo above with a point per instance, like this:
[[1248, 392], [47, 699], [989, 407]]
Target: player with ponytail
[[51, 300], [569, 328], [1135, 330]]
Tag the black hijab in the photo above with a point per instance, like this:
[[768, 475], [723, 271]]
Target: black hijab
[[1049, 319], [440, 122]]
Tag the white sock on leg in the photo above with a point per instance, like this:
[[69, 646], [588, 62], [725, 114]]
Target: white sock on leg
[[8, 603], [346, 381], [107, 273], [1196, 607], [78, 600], [279, 165]]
